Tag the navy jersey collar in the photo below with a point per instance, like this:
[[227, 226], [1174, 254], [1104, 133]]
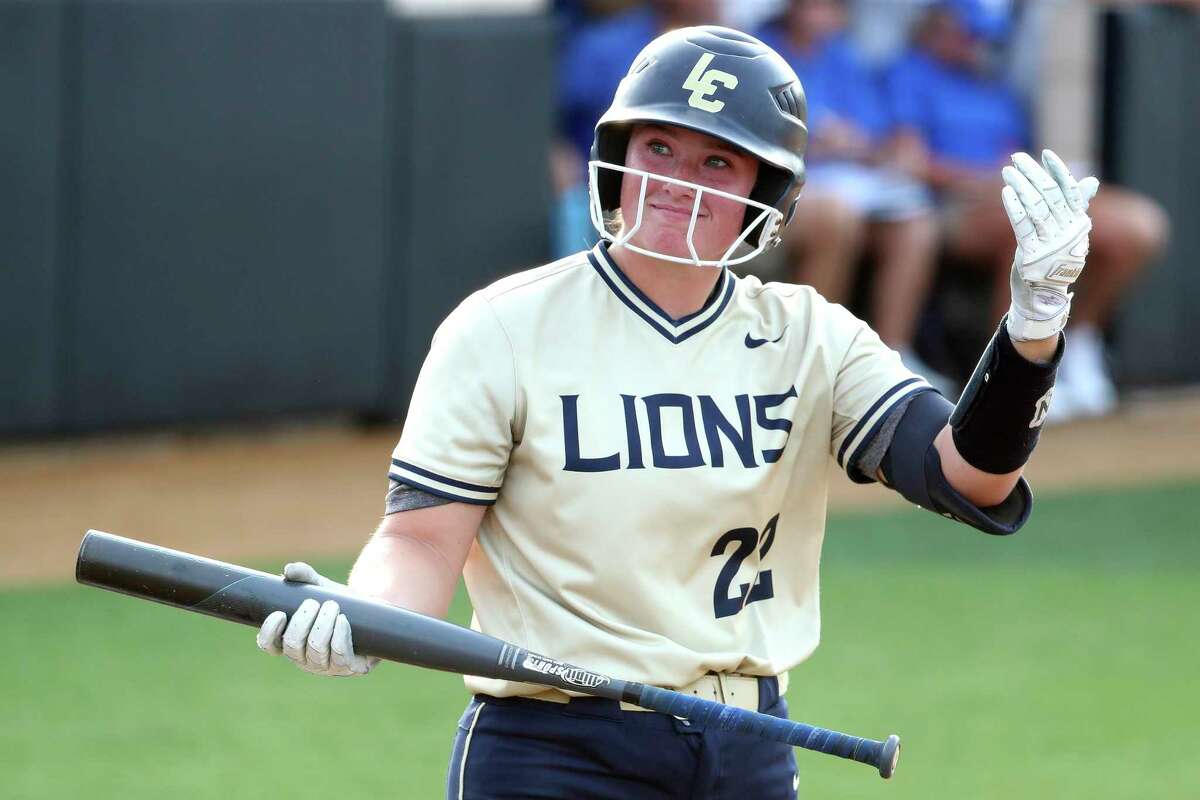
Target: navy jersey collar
[[675, 330]]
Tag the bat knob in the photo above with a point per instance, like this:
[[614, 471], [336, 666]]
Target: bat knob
[[889, 756]]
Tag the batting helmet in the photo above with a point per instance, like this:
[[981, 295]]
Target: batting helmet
[[728, 85]]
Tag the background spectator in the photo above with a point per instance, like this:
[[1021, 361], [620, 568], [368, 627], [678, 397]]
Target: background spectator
[[880, 27], [856, 195], [967, 120]]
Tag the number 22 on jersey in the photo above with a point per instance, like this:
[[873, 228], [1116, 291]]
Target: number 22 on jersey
[[747, 540]]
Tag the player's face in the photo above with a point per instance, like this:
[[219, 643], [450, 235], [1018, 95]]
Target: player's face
[[696, 158]]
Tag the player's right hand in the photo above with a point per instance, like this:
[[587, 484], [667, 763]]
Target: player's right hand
[[317, 638]]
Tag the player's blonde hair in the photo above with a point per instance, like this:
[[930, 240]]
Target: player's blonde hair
[[614, 221]]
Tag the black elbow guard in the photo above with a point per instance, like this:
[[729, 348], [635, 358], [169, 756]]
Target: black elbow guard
[[914, 469]]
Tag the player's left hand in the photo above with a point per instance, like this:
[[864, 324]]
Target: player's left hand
[[317, 639], [1047, 208]]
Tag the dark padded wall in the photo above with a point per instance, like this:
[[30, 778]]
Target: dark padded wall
[[230, 208], [229, 214], [242, 207], [472, 105], [1151, 126], [31, 94]]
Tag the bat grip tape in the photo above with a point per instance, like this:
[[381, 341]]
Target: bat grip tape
[[728, 718]]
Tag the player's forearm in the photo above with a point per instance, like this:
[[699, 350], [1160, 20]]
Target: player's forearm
[[984, 489], [407, 572], [988, 488], [415, 557]]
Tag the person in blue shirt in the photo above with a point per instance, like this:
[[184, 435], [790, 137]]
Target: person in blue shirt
[[856, 195], [593, 59], [963, 121]]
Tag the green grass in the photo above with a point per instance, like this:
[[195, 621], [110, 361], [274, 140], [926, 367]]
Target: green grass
[[1060, 663]]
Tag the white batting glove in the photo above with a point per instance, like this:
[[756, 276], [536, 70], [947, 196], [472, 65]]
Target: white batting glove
[[318, 637], [1048, 212]]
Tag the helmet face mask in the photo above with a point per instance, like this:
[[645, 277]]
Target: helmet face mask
[[724, 84], [763, 218]]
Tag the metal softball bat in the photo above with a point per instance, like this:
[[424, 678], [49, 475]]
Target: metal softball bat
[[238, 594]]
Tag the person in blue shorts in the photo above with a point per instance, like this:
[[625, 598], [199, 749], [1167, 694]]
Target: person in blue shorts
[[966, 121]]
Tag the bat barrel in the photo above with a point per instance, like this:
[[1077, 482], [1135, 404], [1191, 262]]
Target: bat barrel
[[160, 574], [248, 596]]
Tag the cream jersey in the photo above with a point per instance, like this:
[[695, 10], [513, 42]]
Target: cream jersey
[[657, 486]]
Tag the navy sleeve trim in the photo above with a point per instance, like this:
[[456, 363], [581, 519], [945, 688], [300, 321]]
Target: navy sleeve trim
[[867, 416], [473, 487], [441, 492]]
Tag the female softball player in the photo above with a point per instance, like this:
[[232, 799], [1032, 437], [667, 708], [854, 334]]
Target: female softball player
[[624, 452]]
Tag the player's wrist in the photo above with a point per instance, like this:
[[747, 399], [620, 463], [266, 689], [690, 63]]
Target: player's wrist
[[1026, 325], [1037, 351], [1039, 310]]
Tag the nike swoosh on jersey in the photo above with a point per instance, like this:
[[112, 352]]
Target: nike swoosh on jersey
[[752, 343]]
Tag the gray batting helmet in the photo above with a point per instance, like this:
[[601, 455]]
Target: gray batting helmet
[[723, 83]]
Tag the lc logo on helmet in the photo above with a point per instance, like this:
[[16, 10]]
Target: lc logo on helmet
[[702, 83]]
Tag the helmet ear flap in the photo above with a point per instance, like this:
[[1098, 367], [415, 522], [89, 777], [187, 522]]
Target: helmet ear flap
[[770, 188]]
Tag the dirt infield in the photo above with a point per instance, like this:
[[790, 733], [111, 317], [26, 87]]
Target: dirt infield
[[318, 490]]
